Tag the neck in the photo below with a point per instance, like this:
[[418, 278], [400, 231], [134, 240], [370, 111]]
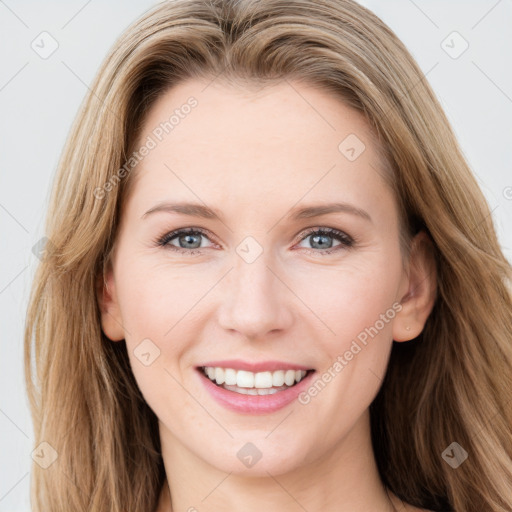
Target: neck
[[344, 479]]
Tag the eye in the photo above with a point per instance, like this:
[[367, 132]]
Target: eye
[[187, 239], [320, 237]]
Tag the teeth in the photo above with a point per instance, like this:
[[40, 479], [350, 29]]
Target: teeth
[[289, 377], [219, 375], [253, 391], [229, 377], [263, 380], [254, 382], [243, 379], [278, 378]]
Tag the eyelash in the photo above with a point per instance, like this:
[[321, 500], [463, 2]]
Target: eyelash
[[346, 240]]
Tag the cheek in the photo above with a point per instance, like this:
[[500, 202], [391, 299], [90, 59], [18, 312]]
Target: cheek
[[159, 308], [350, 298], [154, 298], [346, 297], [152, 302], [357, 306]]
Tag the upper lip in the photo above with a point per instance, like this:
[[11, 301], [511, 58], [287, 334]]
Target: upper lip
[[255, 366]]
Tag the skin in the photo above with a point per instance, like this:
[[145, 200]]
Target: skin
[[254, 155]]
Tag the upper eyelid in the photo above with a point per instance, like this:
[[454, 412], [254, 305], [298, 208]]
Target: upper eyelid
[[300, 237], [174, 233], [326, 229]]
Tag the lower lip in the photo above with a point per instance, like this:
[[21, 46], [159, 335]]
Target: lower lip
[[254, 404]]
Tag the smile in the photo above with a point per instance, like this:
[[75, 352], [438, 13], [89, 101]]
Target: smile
[[251, 383], [254, 388]]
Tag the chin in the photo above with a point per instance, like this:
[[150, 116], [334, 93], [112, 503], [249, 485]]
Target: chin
[[258, 458]]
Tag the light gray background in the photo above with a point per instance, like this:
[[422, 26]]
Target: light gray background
[[40, 97]]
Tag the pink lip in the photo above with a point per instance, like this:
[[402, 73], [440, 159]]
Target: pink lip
[[262, 366], [253, 404]]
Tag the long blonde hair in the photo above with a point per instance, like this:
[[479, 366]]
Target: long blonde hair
[[452, 384]]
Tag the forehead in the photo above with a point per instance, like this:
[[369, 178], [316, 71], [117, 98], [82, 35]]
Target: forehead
[[277, 142], [284, 112]]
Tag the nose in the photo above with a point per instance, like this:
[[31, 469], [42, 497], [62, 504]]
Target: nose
[[256, 301]]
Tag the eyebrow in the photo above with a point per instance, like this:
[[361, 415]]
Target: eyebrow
[[306, 212]]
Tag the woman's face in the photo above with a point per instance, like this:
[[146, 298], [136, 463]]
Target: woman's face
[[259, 285]]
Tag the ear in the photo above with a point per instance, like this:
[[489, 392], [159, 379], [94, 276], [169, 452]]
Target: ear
[[421, 290], [111, 322]]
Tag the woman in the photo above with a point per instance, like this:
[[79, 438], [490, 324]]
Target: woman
[[196, 346]]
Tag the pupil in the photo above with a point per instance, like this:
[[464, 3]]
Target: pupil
[[321, 240], [324, 237], [188, 238]]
